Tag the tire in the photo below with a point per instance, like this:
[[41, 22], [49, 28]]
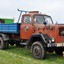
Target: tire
[[3, 44], [11, 42], [59, 52], [38, 50]]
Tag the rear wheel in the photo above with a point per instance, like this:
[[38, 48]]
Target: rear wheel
[[38, 50], [3, 44], [12, 42]]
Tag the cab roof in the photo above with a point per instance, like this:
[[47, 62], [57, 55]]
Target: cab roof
[[34, 12]]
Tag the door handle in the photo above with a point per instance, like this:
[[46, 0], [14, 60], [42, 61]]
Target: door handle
[[26, 28]]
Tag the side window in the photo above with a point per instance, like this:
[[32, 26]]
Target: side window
[[27, 19]]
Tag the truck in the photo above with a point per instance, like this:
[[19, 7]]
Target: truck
[[6, 20], [36, 31]]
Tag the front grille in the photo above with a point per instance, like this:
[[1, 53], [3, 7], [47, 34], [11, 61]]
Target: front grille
[[61, 31]]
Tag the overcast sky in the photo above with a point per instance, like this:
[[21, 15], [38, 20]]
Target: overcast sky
[[54, 8]]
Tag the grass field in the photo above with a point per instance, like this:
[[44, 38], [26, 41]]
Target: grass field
[[15, 55]]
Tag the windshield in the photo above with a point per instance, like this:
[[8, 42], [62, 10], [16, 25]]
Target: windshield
[[42, 19], [39, 18], [48, 20]]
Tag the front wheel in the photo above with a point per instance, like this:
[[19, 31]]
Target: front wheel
[[38, 50]]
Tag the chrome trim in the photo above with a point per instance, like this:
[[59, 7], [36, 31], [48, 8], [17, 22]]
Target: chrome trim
[[55, 44]]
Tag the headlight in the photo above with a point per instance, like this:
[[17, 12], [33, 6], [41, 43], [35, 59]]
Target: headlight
[[52, 39]]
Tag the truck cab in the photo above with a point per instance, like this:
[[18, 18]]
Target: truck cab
[[32, 23]]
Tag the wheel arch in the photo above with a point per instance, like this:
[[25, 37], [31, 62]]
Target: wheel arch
[[4, 36], [36, 37]]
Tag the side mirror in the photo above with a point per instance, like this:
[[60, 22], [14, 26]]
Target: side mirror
[[44, 23]]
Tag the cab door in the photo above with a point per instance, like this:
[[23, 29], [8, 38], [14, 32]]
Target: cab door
[[26, 28]]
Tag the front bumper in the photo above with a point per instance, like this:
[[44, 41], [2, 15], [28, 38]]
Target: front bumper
[[55, 44]]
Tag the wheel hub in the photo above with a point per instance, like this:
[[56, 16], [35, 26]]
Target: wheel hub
[[37, 50]]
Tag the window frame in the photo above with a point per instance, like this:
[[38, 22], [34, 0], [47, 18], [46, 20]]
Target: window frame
[[37, 15], [50, 18], [28, 16]]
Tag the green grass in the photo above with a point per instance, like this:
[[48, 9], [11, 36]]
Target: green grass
[[15, 55]]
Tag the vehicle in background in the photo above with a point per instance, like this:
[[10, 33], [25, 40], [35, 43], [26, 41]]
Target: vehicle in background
[[6, 20]]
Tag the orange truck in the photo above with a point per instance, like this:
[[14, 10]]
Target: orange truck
[[36, 31]]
